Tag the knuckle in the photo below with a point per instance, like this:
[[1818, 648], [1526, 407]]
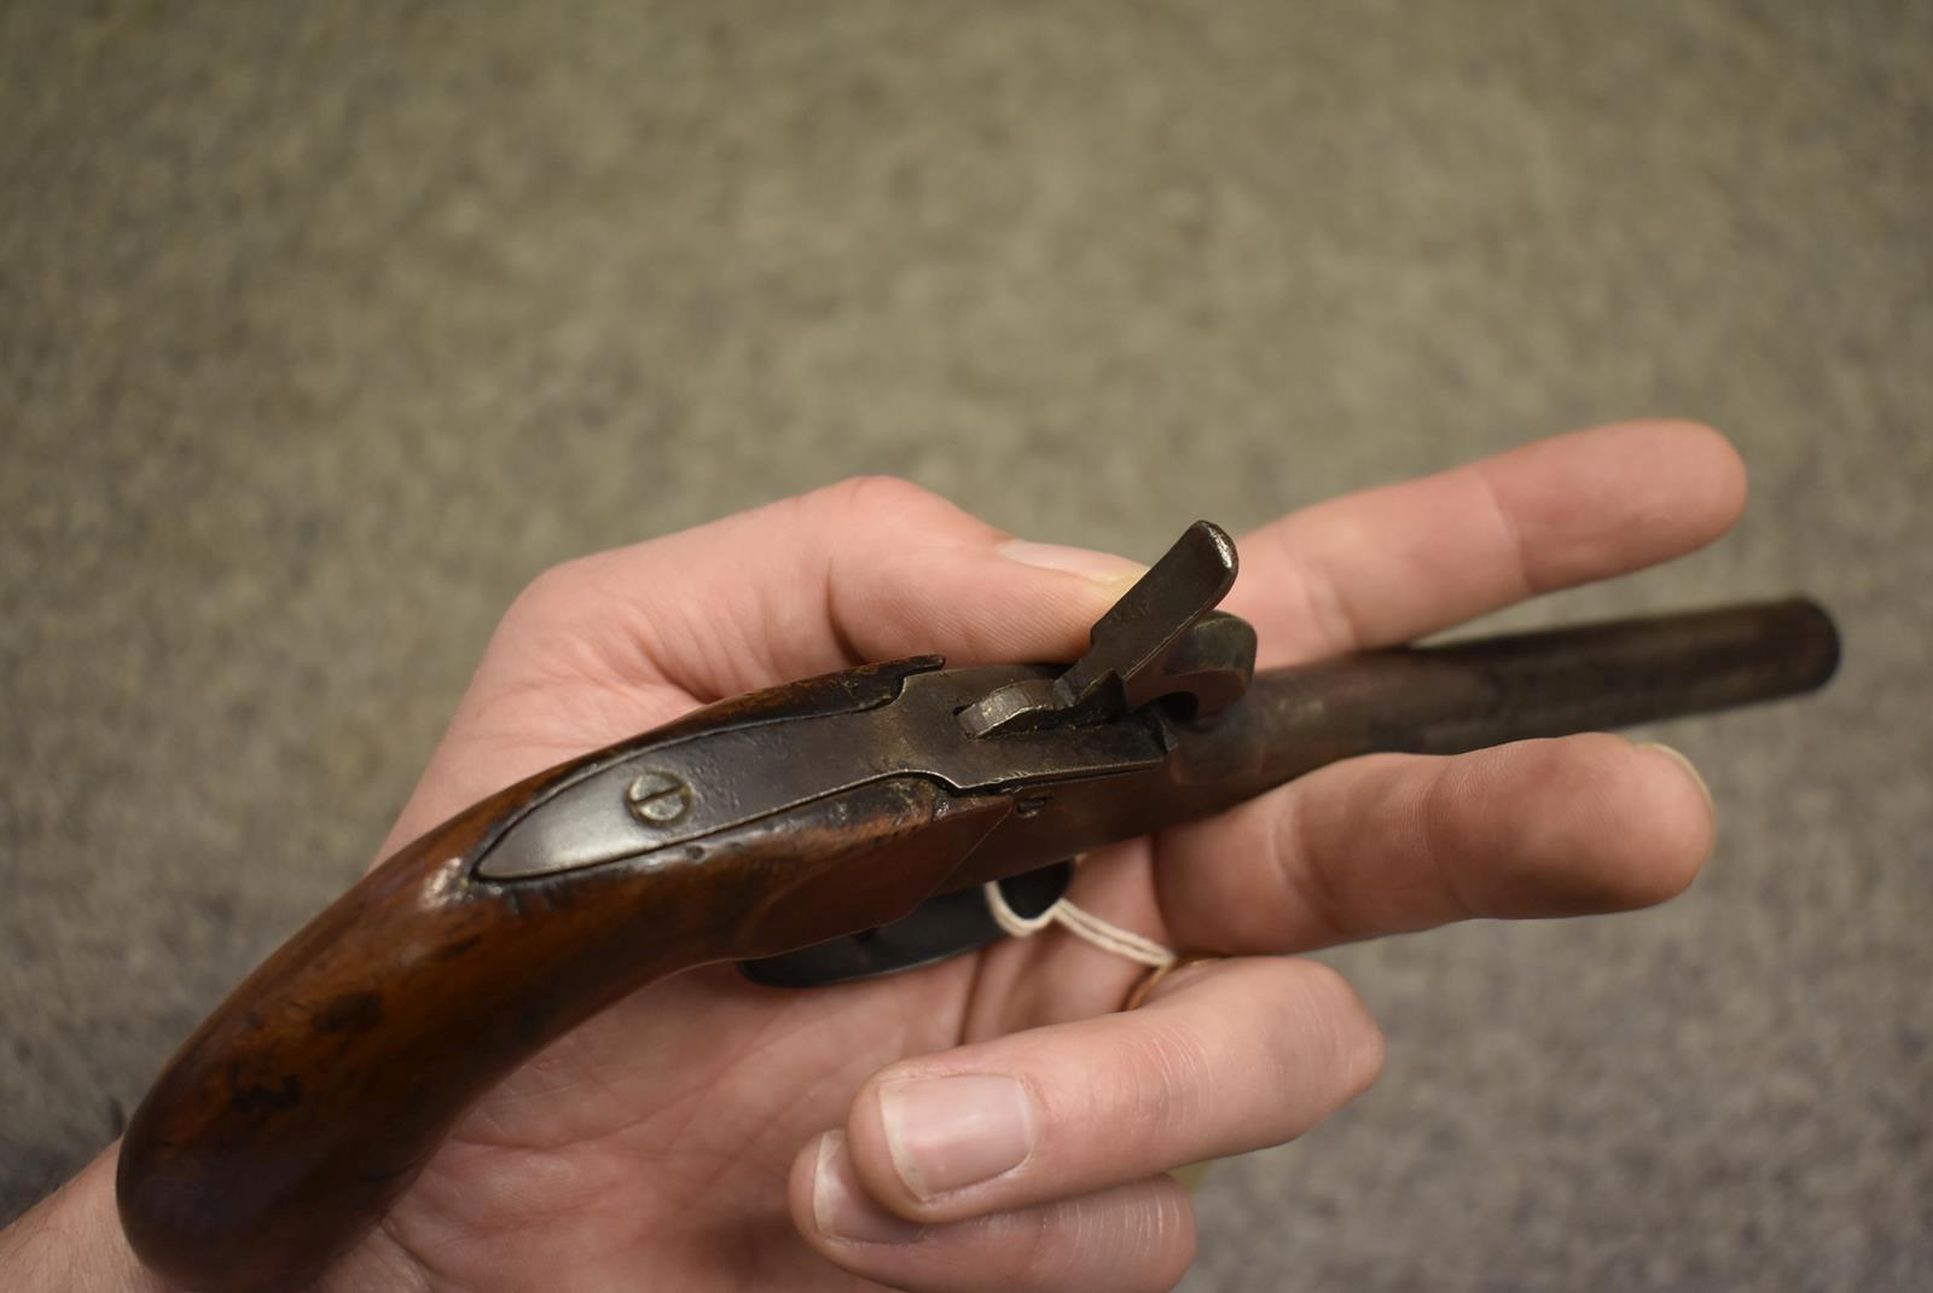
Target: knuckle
[[1153, 1237], [1131, 1238], [1039, 1253], [558, 586], [1027, 1247], [878, 498], [1171, 1237], [549, 600]]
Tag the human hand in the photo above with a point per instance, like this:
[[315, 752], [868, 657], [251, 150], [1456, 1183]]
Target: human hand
[[992, 1121]]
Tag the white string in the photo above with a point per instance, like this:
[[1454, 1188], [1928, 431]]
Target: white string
[[1082, 924]]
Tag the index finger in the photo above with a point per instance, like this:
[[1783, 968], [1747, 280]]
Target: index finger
[[1388, 565]]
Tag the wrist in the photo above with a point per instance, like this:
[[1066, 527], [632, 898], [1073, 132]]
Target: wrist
[[72, 1240]]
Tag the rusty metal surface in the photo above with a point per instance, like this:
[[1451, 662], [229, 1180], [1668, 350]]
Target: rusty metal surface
[[1152, 644]]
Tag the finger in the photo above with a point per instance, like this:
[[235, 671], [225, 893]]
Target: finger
[[1133, 1237], [1251, 1054], [870, 569], [1395, 563], [602, 647], [1391, 843]]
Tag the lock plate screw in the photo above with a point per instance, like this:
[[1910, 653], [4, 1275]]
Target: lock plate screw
[[657, 798]]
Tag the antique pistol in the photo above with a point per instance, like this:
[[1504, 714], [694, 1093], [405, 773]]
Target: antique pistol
[[829, 829]]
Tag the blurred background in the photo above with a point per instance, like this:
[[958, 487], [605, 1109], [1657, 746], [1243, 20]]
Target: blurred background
[[323, 330]]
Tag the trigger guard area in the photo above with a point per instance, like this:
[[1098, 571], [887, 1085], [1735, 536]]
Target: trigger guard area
[[936, 930]]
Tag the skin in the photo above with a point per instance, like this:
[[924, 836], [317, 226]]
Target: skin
[[706, 1134]]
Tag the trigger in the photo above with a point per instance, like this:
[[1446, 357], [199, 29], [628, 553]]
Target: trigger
[[936, 930]]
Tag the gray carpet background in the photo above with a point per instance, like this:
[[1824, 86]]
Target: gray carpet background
[[323, 330]]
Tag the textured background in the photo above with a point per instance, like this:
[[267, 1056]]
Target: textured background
[[323, 330]]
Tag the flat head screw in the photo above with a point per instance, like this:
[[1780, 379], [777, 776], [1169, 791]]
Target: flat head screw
[[657, 798]]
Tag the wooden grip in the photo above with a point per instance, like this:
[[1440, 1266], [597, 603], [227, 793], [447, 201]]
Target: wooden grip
[[284, 1126]]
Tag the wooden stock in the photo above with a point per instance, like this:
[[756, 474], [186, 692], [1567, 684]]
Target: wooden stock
[[288, 1121]]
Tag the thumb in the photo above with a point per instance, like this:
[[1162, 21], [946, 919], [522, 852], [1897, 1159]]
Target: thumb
[[866, 570]]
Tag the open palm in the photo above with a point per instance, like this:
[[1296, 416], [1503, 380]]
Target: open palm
[[994, 1121]]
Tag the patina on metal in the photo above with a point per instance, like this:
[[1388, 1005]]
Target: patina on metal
[[657, 797], [1162, 639], [828, 829]]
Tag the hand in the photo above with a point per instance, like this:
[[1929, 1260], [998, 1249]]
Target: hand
[[994, 1121]]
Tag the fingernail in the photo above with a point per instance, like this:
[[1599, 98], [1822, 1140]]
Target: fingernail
[[1101, 567], [840, 1207], [950, 1132], [1684, 763]]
